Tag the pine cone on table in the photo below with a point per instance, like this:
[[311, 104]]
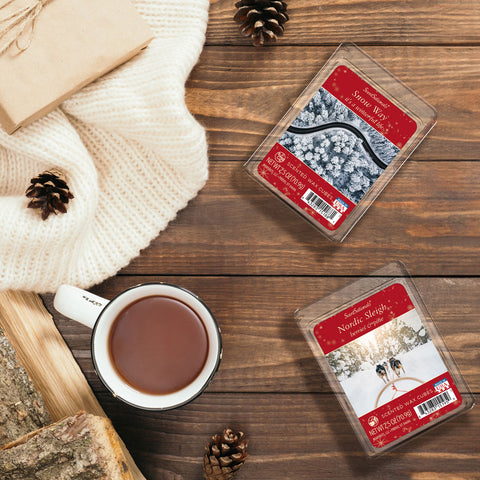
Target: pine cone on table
[[224, 455], [49, 193], [263, 20]]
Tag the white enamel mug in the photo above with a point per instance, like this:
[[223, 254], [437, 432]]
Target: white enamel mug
[[99, 314]]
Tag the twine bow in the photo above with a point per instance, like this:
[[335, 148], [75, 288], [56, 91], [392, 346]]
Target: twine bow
[[17, 22]]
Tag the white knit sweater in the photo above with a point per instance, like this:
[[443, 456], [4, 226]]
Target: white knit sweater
[[132, 153]]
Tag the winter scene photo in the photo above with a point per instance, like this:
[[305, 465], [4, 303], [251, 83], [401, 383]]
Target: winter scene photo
[[338, 145], [386, 362]]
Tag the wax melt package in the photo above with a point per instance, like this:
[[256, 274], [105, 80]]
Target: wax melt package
[[342, 141], [384, 359]]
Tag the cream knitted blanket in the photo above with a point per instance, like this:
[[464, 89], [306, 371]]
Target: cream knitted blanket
[[132, 153]]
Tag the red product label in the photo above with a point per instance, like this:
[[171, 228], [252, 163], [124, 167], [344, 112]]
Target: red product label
[[371, 106], [411, 410], [332, 155], [363, 317], [386, 363], [307, 189]]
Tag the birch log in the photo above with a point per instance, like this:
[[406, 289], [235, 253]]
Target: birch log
[[48, 360]]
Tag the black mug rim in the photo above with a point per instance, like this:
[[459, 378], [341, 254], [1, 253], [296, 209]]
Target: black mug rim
[[177, 405]]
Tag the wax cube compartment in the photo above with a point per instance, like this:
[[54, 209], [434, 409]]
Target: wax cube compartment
[[384, 359], [342, 141]]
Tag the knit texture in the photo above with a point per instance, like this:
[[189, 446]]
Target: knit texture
[[132, 153]]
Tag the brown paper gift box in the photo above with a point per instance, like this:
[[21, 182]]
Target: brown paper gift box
[[73, 42]]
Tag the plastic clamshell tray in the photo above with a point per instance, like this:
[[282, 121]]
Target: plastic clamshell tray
[[384, 359], [342, 141]]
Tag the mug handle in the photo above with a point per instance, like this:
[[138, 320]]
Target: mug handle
[[79, 305]]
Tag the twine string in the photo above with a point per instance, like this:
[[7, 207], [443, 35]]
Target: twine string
[[17, 22]]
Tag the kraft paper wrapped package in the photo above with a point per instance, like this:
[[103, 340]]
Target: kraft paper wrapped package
[[64, 45], [131, 151]]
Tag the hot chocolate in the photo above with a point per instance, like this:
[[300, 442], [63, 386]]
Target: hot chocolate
[[158, 344]]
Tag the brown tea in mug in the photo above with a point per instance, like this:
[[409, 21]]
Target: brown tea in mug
[[158, 344]]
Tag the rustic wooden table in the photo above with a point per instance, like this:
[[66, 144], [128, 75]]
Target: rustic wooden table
[[254, 262]]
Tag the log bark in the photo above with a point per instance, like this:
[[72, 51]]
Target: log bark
[[82, 447], [21, 406], [49, 362]]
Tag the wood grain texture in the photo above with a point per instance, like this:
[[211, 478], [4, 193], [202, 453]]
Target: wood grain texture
[[428, 217], [293, 437], [47, 359], [239, 94], [254, 261], [264, 350], [323, 22]]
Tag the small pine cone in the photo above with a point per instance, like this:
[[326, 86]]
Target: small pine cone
[[49, 193], [224, 455], [263, 20]]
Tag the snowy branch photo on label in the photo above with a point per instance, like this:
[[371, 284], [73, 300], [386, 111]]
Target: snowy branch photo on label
[[386, 362], [338, 145]]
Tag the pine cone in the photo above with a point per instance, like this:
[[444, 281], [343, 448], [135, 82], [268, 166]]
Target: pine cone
[[224, 455], [263, 20], [49, 193]]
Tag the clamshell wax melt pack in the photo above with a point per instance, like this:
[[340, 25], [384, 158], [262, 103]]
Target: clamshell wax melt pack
[[384, 359], [342, 141]]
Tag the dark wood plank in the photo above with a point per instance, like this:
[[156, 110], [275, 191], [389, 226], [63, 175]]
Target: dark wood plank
[[263, 349], [240, 93], [428, 217], [292, 437], [382, 21]]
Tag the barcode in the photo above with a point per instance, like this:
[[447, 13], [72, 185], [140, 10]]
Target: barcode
[[435, 403], [321, 206]]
